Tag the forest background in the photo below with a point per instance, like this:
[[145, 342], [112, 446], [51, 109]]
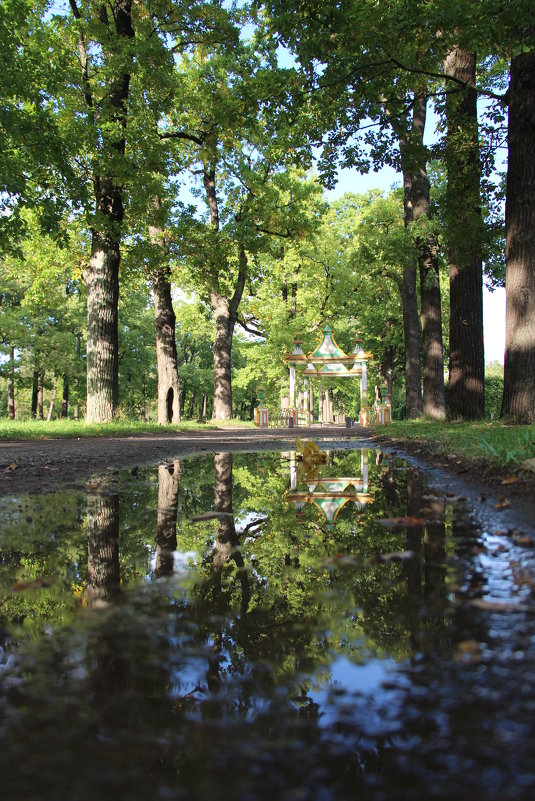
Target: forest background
[[165, 231]]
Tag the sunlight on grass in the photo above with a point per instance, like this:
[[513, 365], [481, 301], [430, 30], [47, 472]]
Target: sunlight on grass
[[57, 429], [497, 443]]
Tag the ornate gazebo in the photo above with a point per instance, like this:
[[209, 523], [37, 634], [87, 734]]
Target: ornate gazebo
[[328, 360]]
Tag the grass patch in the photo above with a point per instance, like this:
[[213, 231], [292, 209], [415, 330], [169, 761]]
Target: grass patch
[[498, 444], [61, 429]]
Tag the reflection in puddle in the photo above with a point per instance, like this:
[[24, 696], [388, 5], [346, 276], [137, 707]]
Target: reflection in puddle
[[331, 629]]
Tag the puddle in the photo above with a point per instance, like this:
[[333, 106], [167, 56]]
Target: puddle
[[326, 628]]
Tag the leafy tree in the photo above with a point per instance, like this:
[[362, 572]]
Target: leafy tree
[[41, 313], [233, 148]]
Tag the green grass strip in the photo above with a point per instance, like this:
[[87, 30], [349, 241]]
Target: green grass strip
[[499, 444], [58, 429]]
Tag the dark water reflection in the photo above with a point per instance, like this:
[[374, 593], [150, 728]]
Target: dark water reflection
[[241, 625]]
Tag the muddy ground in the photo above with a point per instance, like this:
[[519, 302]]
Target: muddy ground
[[42, 465]]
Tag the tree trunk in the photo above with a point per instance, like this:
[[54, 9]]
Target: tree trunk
[[103, 570], [191, 405], [387, 371], [101, 279], [222, 357], [168, 486], [40, 398], [519, 371], [466, 395], [11, 386], [434, 405], [411, 323], [35, 392], [166, 356], [225, 312], [65, 397], [101, 276], [51, 406]]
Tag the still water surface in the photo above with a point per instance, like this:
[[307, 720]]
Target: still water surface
[[253, 626]]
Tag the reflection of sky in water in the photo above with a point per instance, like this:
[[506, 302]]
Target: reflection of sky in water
[[371, 690], [182, 561]]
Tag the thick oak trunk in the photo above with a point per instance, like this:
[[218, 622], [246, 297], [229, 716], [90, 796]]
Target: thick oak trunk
[[168, 487], [222, 357], [101, 277], [166, 356], [434, 405], [519, 373], [103, 571], [102, 283], [466, 396]]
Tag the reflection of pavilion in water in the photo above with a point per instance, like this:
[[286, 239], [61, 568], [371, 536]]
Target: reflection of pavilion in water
[[329, 494]]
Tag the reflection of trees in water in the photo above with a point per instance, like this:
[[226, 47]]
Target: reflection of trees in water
[[166, 542], [103, 570]]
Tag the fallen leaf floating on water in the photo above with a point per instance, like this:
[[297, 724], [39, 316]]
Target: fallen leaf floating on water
[[403, 522], [309, 452], [503, 503], [509, 480], [36, 584]]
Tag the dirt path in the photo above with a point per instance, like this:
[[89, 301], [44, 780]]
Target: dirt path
[[44, 464]]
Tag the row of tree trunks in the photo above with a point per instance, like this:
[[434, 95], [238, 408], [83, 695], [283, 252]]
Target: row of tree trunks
[[466, 393], [519, 369]]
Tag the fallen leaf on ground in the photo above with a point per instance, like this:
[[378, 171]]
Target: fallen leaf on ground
[[529, 464], [509, 480], [10, 468], [404, 522]]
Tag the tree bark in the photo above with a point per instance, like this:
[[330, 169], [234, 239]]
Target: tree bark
[[222, 357], [40, 396], [225, 312], [101, 276], [411, 323], [466, 395], [168, 487], [11, 386], [166, 355], [35, 392], [519, 370], [65, 397], [103, 570], [101, 279], [434, 405]]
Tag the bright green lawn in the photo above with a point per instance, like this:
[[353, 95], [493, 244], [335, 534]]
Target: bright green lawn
[[39, 429], [499, 444]]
